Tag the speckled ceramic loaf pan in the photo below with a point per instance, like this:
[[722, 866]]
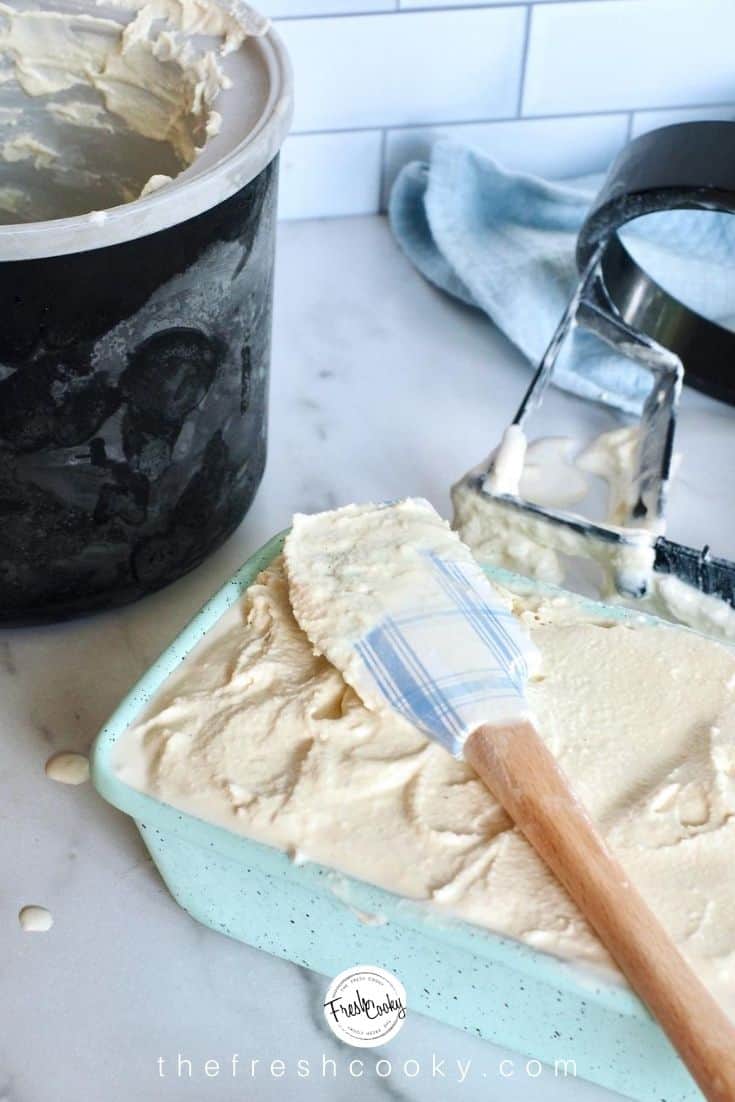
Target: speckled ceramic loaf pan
[[504, 991]]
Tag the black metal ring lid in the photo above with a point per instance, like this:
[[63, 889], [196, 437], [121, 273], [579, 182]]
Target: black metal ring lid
[[687, 166]]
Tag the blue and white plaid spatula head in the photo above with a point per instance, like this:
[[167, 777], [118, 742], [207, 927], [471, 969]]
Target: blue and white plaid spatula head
[[395, 600]]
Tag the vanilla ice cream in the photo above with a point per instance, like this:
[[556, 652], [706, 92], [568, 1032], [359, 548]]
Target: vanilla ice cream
[[258, 734]]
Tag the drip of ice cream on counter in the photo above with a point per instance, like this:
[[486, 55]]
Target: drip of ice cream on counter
[[67, 767], [34, 919], [103, 102], [258, 734]]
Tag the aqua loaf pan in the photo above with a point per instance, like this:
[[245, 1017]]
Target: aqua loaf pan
[[464, 975]]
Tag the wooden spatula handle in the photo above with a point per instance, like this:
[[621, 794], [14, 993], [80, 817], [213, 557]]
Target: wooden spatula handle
[[516, 765]]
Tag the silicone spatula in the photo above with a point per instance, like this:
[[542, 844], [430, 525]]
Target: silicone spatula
[[393, 598]]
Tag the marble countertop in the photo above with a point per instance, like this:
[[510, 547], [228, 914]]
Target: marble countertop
[[380, 387]]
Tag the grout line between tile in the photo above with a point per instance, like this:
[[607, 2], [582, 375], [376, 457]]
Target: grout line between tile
[[387, 10], [524, 60], [398, 6], [622, 112], [382, 191], [398, 10]]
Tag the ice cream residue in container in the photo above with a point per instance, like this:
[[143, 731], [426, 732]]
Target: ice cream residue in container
[[102, 103]]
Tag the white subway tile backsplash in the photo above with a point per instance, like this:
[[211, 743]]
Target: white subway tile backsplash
[[323, 175], [406, 67], [412, 4], [290, 9], [650, 120], [617, 54], [547, 147], [552, 87]]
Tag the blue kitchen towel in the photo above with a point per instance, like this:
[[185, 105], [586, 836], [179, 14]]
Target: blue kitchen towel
[[505, 241]]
